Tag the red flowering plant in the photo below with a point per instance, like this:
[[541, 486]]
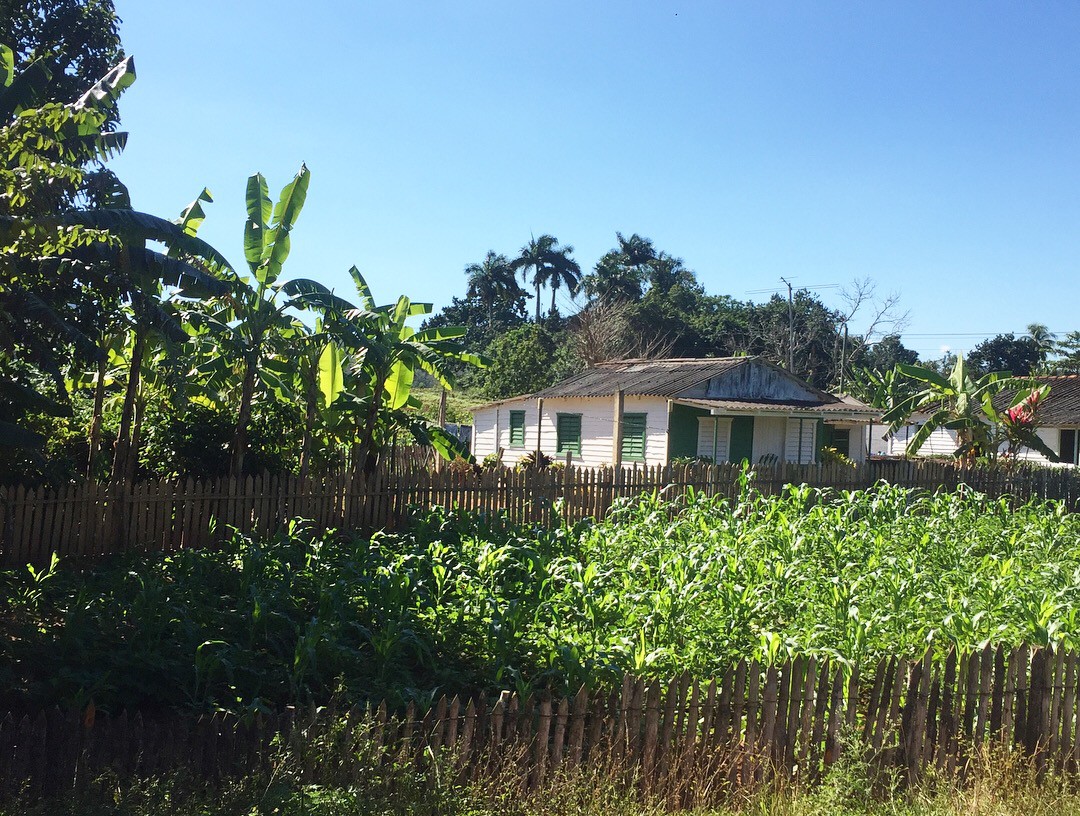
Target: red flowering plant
[[1018, 424]]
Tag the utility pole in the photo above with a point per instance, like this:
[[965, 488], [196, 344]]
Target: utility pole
[[843, 358], [791, 326]]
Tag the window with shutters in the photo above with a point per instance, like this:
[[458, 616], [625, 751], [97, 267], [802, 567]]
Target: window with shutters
[[517, 429], [1068, 446], [633, 437], [568, 433]]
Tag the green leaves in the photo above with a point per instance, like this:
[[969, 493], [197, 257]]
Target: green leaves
[[131, 226], [107, 89], [259, 208], [398, 384], [956, 403], [331, 374], [7, 64], [266, 244], [193, 215]]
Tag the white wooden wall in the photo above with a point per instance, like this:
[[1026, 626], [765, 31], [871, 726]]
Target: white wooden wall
[[597, 428], [770, 437], [943, 443]]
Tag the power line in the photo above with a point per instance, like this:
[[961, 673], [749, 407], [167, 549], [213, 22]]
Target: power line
[[777, 290]]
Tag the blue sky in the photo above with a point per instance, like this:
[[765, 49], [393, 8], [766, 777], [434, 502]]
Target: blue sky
[[932, 147]]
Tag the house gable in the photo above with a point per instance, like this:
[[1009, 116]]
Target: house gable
[[754, 381]]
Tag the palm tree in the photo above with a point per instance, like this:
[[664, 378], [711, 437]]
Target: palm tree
[[635, 251], [550, 264], [611, 281], [492, 280], [1045, 342], [620, 273]]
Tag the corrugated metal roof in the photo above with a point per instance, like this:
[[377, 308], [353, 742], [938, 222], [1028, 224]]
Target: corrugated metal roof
[[1061, 408], [655, 378], [849, 406]]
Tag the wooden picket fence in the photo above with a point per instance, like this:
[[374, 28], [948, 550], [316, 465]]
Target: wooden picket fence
[[683, 739], [90, 518]]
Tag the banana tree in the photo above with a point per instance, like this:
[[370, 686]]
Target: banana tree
[[384, 355], [50, 246], [956, 403], [242, 329], [157, 322], [320, 379]]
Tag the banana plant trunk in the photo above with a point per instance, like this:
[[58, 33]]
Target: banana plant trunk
[[95, 421], [311, 395], [364, 461], [122, 451], [136, 438], [243, 419]]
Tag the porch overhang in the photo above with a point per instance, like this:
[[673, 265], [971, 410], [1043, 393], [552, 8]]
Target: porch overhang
[[830, 412]]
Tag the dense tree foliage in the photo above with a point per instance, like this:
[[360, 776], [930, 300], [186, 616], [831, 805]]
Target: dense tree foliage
[[79, 39], [1006, 352], [134, 322]]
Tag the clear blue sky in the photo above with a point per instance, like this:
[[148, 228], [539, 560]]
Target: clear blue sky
[[934, 147]]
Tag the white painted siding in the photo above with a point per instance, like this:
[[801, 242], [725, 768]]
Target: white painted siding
[[941, 442], [597, 428], [880, 440], [485, 439], [1051, 437], [799, 445], [714, 434], [770, 437], [858, 440]]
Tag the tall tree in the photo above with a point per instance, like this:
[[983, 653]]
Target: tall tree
[[1006, 352], [1045, 342], [1067, 351], [620, 273], [78, 39], [492, 282], [240, 330], [550, 265], [61, 260], [884, 355]]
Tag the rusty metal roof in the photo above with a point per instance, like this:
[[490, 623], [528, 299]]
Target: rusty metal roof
[[1060, 409], [654, 378], [848, 406]]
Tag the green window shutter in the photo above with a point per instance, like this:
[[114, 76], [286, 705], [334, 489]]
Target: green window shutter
[[517, 429], [568, 433], [633, 437], [741, 446]]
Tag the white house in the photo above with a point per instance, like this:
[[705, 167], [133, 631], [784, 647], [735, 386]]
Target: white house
[[726, 409], [1058, 418]]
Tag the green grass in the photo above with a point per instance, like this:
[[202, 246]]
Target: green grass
[[459, 403], [459, 603], [997, 787]]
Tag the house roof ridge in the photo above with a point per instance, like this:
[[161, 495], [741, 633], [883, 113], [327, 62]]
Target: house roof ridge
[[663, 360]]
